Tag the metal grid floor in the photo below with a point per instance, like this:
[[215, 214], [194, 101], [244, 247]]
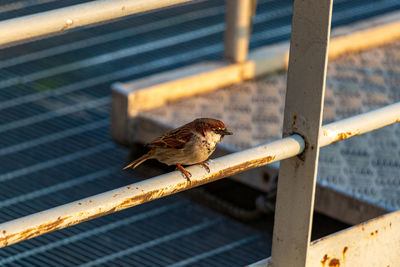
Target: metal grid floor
[[54, 136]]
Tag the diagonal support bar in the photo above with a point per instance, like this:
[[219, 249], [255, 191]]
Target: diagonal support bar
[[303, 115]]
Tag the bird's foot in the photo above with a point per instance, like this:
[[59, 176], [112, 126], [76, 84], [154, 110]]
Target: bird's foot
[[205, 165], [184, 171]]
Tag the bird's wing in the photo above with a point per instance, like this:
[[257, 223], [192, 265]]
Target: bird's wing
[[174, 139]]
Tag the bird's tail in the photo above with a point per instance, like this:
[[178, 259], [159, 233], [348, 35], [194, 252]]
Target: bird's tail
[[139, 161]]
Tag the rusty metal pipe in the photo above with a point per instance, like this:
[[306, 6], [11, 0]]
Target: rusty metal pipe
[[359, 124], [75, 16], [124, 197], [118, 199]]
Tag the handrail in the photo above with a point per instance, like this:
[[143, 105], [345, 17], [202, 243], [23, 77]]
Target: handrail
[[359, 124], [127, 196], [75, 16], [124, 197]]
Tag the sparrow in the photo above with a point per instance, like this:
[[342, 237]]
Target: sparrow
[[189, 144]]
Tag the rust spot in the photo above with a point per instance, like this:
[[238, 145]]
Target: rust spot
[[390, 225], [376, 232], [294, 119], [312, 147], [129, 202], [34, 231], [334, 262], [362, 228], [324, 259], [137, 187], [115, 195], [342, 136], [235, 169], [79, 203], [90, 201], [4, 232], [128, 187], [371, 234], [344, 252], [345, 135]]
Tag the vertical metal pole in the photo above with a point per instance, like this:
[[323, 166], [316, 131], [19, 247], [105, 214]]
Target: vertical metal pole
[[303, 115], [237, 30]]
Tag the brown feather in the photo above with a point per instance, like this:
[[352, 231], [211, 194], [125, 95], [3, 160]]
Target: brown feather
[[140, 160], [174, 139]]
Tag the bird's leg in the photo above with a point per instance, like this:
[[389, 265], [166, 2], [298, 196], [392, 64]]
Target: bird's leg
[[205, 165], [185, 172]]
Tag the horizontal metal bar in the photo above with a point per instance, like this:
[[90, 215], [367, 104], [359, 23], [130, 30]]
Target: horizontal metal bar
[[372, 243], [75, 16], [359, 124], [92, 207], [118, 199]]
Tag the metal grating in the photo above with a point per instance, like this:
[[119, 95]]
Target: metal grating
[[54, 141]]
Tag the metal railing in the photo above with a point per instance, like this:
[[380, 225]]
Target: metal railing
[[131, 195], [75, 16], [302, 126]]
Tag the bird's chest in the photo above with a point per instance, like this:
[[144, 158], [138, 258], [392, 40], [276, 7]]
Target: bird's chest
[[210, 141], [204, 147], [208, 147]]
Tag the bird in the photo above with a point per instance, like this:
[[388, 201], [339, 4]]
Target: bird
[[190, 144]]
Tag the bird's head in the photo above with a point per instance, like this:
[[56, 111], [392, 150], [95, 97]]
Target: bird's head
[[211, 128]]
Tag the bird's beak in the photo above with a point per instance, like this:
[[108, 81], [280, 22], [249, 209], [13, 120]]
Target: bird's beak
[[226, 132]]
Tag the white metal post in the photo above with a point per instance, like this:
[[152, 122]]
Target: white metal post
[[238, 21], [303, 115]]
